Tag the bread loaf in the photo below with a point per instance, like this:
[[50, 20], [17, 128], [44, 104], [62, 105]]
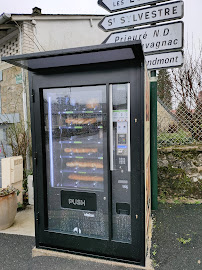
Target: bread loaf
[[85, 177], [97, 165], [80, 121], [92, 103], [80, 150]]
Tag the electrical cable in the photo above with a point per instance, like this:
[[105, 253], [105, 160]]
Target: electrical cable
[[39, 42], [30, 37]]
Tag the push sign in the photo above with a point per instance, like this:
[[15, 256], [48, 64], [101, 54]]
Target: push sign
[[78, 200]]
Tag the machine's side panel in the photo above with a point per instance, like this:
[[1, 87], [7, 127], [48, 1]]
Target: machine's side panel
[[33, 128], [147, 157]]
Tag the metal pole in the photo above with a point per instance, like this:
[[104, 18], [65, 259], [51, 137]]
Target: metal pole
[[153, 137]]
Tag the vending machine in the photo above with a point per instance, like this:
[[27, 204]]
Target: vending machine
[[91, 149]]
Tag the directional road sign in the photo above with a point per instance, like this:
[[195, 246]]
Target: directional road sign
[[154, 14], [116, 5], [164, 60], [154, 38]]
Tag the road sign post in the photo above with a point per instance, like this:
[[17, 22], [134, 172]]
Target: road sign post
[[154, 14], [164, 60], [153, 140], [117, 5], [154, 38]]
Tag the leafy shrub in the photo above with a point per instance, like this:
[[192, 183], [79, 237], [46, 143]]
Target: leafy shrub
[[8, 190]]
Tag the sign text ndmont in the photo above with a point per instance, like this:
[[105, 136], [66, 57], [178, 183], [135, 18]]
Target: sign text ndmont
[[159, 13], [164, 60], [116, 5], [154, 39]]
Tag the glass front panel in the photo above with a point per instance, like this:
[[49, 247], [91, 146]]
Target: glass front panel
[[120, 161], [76, 162]]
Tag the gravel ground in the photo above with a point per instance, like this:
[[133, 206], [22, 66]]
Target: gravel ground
[[177, 237]]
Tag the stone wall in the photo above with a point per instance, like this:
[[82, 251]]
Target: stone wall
[[180, 172], [11, 93]]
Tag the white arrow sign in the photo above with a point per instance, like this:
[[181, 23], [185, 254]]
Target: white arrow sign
[[116, 5], [164, 60], [143, 16], [154, 39]]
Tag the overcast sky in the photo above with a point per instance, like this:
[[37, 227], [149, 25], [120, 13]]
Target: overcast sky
[[192, 17]]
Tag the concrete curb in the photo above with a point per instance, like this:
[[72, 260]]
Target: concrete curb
[[36, 252], [43, 252]]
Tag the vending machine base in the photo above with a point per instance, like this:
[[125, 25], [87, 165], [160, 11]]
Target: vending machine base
[[82, 260], [90, 119]]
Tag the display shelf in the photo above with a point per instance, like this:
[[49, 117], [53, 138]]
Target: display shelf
[[81, 127], [79, 112], [81, 157], [74, 185], [81, 130], [81, 143], [82, 171]]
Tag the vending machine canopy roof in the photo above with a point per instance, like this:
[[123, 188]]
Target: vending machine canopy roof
[[77, 56]]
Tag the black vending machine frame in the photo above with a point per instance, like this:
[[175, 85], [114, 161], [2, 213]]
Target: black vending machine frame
[[93, 65]]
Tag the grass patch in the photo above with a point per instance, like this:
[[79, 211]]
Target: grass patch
[[184, 241], [177, 138]]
